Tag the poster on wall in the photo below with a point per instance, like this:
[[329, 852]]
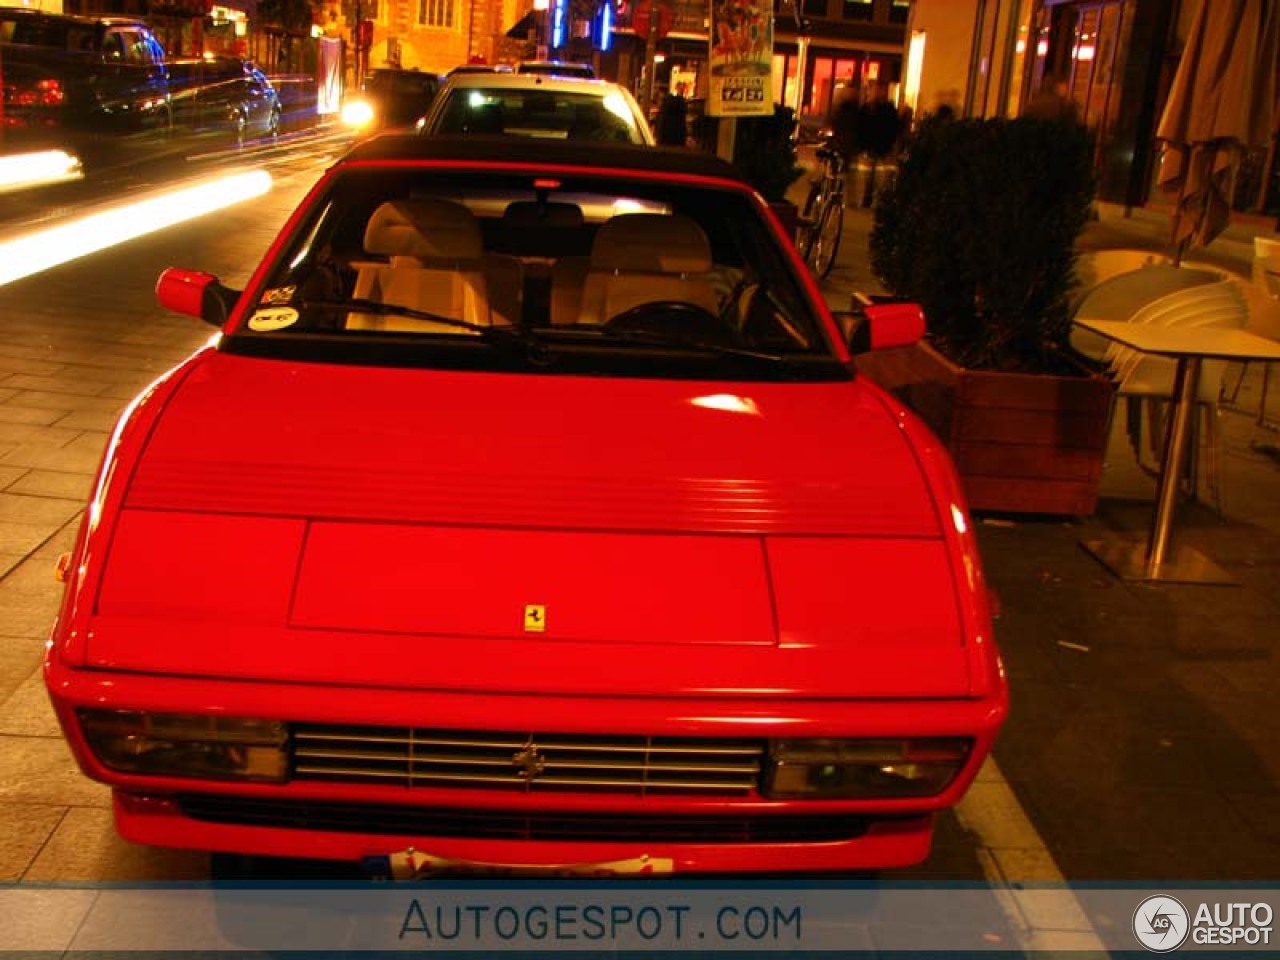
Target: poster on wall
[[741, 58]]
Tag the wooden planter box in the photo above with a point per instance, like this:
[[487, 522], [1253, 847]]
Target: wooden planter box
[[1023, 443]]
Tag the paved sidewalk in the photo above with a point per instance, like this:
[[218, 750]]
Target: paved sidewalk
[[71, 357], [1144, 742]]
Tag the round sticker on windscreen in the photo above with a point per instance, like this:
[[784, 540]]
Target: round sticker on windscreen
[[273, 318]]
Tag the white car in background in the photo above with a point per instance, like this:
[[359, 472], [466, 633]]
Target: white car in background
[[536, 105], [556, 68]]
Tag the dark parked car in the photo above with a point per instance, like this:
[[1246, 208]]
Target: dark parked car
[[223, 95], [299, 95], [390, 98], [79, 82]]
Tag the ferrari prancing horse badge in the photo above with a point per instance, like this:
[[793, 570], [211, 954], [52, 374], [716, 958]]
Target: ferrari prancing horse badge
[[535, 618]]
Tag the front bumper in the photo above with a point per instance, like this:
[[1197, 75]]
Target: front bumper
[[167, 821], [508, 830]]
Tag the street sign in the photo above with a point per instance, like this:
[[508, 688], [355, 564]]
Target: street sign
[[741, 60], [364, 34]]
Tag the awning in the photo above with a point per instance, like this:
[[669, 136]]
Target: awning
[[524, 26]]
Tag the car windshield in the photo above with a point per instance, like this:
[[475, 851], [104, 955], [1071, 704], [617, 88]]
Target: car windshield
[[540, 112], [520, 271]]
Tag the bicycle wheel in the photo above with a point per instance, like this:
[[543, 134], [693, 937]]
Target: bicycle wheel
[[806, 226], [811, 199], [825, 241]]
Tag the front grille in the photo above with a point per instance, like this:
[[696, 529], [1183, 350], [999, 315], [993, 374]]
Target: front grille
[[392, 820], [639, 766]]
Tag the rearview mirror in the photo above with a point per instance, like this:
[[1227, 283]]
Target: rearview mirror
[[196, 294], [878, 323]]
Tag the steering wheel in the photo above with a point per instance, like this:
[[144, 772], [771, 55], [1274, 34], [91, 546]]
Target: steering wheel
[[677, 319]]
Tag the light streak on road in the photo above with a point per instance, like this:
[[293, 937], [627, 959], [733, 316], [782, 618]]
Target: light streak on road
[[20, 170], [69, 240]]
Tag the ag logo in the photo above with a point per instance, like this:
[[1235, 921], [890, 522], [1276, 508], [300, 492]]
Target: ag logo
[[1161, 924]]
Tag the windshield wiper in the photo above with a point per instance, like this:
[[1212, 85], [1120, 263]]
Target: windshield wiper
[[596, 332], [397, 310]]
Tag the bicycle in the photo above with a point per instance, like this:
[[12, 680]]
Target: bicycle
[[822, 218]]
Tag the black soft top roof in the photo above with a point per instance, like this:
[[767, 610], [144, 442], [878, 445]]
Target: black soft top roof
[[536, 151]]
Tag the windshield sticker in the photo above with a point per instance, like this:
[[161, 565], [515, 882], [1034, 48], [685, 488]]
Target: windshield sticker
[[273, 318], [279, 295]]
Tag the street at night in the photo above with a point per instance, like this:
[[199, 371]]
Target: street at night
[[1141, 742], [566, 534]]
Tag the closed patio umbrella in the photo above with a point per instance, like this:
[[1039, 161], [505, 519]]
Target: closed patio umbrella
[[1221, 104]]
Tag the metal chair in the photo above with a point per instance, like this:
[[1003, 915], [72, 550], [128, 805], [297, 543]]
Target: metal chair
[[1146, 382], [1140, 277], [1264, 315]]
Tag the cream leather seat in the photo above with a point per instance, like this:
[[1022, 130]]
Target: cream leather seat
[[639, 258], [568, 278], [435, 263]]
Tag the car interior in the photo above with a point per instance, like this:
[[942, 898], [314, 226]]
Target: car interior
[[435, 262], [468, 260]]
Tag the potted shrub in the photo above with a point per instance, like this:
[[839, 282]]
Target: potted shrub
[[765, 151], [980, 227]]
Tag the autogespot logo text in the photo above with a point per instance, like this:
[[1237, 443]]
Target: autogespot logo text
[[1161, 923]]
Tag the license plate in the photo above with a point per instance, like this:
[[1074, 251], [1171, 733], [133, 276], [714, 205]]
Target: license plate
[[414, 864]]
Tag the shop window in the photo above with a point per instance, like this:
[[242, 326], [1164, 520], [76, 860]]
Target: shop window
[[818, 97], [815, 8], [356, 10], [436, 13], [856, 9]]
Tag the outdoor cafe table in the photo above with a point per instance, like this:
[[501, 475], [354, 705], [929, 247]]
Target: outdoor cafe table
[[1157, 559]]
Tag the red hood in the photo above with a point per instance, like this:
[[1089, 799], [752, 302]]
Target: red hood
[[425, 446], [496, 532]]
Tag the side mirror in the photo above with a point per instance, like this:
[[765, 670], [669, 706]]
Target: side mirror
[[879, 323], [196, 294]]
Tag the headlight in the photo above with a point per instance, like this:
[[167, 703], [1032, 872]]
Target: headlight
[[357, 113], [187, 745], [863, 769]]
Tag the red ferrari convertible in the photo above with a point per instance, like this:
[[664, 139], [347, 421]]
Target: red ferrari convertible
[[529, 515]]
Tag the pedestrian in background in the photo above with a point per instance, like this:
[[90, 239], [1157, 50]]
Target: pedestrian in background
[[845, 138], [879, 126], [1053, 101], [906, 122], [844, 123], [672, 121]]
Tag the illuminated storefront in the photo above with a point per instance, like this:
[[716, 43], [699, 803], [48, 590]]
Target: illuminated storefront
[[990, 57]]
